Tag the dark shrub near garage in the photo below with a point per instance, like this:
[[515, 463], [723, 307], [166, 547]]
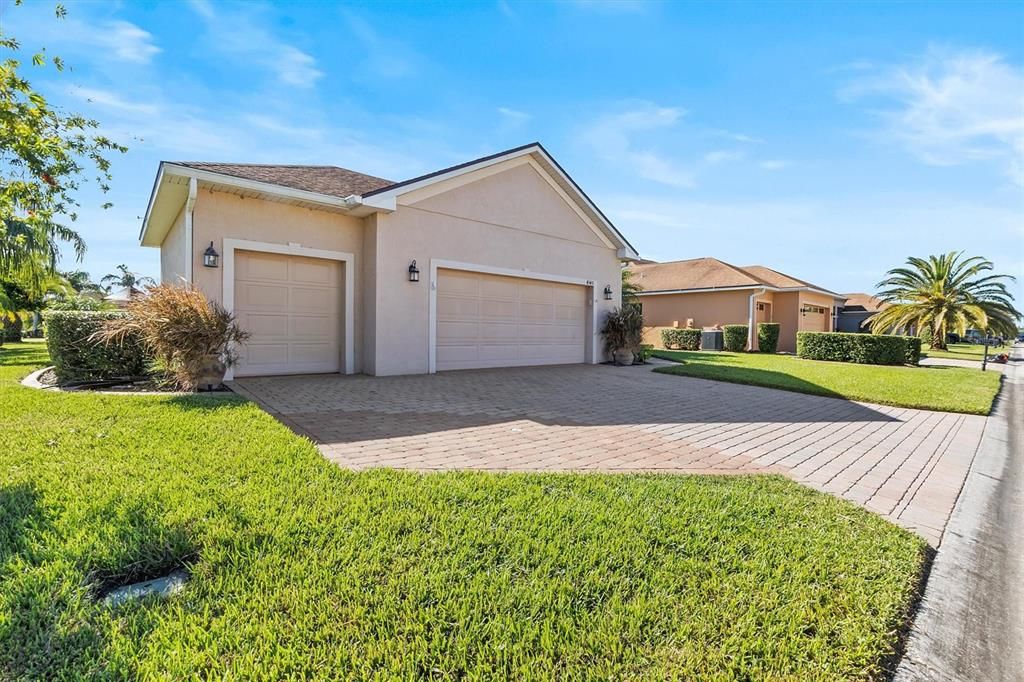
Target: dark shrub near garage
[[865, 349], [78, 356], [768, 337], [681, 339], [735, 337]]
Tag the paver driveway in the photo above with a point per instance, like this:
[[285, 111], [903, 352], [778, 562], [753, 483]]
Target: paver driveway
[[908, 465]]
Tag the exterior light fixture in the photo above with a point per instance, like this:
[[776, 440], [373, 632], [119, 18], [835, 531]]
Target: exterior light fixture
[[414, 272], [210, 257], [608, 292]]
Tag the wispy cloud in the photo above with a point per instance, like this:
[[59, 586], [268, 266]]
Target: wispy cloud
[[513, 119], [383, 57], [128, 41], [111, 100], [240, 34], [773, 164], [718, 156], [952, 107], [612, 138]]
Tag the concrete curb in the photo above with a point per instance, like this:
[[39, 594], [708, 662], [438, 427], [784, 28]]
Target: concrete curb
[[970, 625]]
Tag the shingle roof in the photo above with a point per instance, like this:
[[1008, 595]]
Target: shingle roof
[[711, 273], [330, 180], [856, 303], [698, 273]]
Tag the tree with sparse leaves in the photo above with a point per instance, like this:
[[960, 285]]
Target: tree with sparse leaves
[[46, 155], [126, 279]]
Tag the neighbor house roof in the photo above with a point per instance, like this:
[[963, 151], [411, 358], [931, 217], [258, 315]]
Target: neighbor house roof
[[347, 191], [330, 180], [705, 274], [857, 303]]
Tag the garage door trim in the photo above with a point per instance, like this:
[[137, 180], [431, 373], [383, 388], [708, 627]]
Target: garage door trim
[[231, 245], [439, 264]]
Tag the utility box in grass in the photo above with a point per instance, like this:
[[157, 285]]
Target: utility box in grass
[[712, 339]]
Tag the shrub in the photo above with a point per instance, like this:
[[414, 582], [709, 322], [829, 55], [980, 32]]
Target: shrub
[[11, 329], [78, 356], [680, 339], [768, 337], [80, 302], [181, 328], [734, 337], [865, 349], [913, 352], [643, 354], [926, 335]]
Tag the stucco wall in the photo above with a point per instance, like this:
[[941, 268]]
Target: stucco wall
[[172, 252], [706, 309], [512, 220], [219, 215]]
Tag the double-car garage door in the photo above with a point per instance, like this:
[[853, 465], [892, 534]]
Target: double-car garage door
[[488, 320]]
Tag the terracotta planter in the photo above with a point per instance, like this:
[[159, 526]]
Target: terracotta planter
[[211, 374], [623, 357]]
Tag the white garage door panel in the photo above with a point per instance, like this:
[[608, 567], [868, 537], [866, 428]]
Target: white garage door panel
[[291, 306], [495, 321]]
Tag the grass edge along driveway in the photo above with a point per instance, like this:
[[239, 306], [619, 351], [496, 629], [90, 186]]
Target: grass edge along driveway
[[301, 569], [947, 389]]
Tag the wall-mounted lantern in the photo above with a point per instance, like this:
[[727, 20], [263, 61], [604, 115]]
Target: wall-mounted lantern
[[210, 257], [414, 272], [608, 292]]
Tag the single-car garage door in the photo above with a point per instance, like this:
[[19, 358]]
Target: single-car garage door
[[291, 306], [495, 321]]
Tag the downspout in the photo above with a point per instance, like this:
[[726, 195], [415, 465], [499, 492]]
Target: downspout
[[750, 318], [193, 188]]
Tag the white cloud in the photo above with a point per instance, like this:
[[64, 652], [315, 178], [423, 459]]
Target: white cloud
[[612, 138], [111, 100], [512, 119], [773, 164], [239, 34], [127, 41], [384, 58], [952, 107], [722, 156]]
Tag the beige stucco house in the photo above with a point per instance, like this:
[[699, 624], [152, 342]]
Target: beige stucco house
[[707, 292], [514, 264]]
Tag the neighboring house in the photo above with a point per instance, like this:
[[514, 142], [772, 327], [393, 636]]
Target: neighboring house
[[123, 296], [859, 308], [707, 292], [513, 263]]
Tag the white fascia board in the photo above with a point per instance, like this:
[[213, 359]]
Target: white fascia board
[[704, 290], [152, 199]]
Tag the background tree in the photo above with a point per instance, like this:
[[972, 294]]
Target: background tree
[[630, 288], [947, 293], [127, 279], [45, 157], [82, 283]]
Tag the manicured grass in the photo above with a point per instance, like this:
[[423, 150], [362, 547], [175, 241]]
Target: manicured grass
[[963, 351], [951, 389], [302, 570]]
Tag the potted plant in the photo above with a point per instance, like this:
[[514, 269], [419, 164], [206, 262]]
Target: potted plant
[[192, 338], [623, 333]]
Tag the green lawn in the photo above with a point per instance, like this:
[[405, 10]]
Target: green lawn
[[302, 570], [963, 351], [952, 389]]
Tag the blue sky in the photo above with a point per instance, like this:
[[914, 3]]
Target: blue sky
[[827, 140]]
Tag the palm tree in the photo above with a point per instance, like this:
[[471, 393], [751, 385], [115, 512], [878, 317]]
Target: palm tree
[[946, 293], [629, 288], [30, 251], [81, 282], [127, 279]]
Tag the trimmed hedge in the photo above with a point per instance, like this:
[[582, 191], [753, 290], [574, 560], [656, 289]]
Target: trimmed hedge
[[863, 349], [78, 358], [768, 337], [734, 337], [11, 330], [913, 354], [680, 339]]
